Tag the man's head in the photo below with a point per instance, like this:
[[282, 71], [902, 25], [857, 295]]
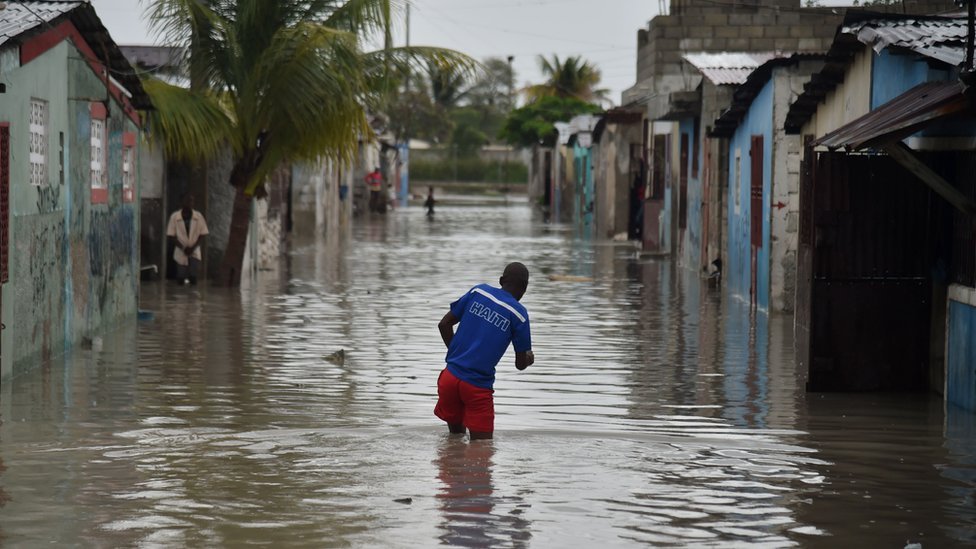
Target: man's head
[[515, 279], [186, 201]]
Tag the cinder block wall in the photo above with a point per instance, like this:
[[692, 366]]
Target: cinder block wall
[[746, 25]]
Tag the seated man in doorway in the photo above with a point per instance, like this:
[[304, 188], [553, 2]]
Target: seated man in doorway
[[186, 229]]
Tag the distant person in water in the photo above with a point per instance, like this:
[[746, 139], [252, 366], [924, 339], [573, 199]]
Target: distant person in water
[[429, 203], [374, 182], [490, 320], [186, 229]]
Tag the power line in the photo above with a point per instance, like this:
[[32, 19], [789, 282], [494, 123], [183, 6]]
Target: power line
[[533, 35]]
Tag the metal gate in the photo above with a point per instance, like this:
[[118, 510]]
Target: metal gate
[[866, 254]]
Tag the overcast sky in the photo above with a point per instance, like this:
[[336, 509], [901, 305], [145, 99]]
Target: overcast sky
[[606, 36], [604, 32]]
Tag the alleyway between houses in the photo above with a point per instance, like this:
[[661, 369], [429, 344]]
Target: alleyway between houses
[[658, 413]]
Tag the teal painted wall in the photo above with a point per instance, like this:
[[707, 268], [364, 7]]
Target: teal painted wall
[[73, 266], [961, 347]]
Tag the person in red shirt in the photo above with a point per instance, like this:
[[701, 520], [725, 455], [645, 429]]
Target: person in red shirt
[[374, 181]]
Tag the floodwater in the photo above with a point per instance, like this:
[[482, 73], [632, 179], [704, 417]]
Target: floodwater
[[658, 413]]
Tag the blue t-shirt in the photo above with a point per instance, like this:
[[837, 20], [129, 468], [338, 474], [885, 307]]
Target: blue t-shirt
[[491, 318]]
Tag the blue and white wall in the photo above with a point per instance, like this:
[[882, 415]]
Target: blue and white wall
[[690, 238], [738, 267]]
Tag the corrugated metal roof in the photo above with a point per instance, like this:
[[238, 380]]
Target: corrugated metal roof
[[939, 38], [900, 117], [729, 68], [746, 92], [19, 17]]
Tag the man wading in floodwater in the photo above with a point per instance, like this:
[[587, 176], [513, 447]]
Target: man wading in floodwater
[[491, 319]]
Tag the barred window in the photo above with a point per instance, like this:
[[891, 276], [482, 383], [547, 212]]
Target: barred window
[[128, 169], [38, 142], [98, 154]]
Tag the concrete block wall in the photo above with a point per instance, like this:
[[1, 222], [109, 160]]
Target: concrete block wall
[[785, 190], [747, 25], [708, 29]]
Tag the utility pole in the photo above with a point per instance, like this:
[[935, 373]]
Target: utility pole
[[511, 107], [511, 83], [403, 149]]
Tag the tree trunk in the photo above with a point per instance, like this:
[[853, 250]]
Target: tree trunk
[[231, 265]]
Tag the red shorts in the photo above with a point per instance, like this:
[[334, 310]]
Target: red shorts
[[460, 403]]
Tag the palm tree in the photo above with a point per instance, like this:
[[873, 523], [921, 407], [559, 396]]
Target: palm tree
[[573, 77], [275, 81]]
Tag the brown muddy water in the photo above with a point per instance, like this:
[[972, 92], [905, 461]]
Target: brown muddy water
[[658, 413]]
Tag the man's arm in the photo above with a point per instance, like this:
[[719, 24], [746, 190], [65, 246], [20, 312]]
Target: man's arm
[[190, 249], [524, 360], [446, 326]]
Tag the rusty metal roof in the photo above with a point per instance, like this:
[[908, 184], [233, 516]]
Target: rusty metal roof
[[939, 38], [729, 68], [21, 20], [900, 117], [19, 17], [933, 37]]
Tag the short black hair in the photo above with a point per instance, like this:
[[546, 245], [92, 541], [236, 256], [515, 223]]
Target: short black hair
[[516, 272]]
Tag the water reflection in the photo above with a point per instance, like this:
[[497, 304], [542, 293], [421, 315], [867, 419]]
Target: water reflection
[[660, 412], [468, 501]]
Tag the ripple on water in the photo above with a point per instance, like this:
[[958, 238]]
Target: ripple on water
[[659, 413]]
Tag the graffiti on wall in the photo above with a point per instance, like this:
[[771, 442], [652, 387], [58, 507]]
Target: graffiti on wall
[[111, 246], [44, 260], [48, 198]]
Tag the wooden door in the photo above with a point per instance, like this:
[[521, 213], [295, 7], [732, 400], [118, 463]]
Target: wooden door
[[755, 213], [683, 183], [873, 240], [4, 216]]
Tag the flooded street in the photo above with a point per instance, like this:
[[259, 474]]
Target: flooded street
[[658, 413]]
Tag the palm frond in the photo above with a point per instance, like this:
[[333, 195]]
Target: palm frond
[[190, 126]]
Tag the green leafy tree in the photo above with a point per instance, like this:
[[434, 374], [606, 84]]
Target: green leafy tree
[[414, 112], [573, 78], [533, 124], [494, 86], [274, 81]]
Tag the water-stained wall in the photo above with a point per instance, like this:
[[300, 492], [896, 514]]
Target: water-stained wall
[[73, 264]]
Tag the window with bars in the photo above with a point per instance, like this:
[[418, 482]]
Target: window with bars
[[38, 142], [128, 166], [98, 154]]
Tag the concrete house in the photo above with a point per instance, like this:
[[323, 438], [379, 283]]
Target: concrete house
[[668, 89], [886, 259], [701, 166], [619, 173], [70, 146], [763, 181]]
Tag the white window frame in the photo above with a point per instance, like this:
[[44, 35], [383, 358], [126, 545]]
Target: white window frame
[[38, 122], [128, 168], [98, 143]]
